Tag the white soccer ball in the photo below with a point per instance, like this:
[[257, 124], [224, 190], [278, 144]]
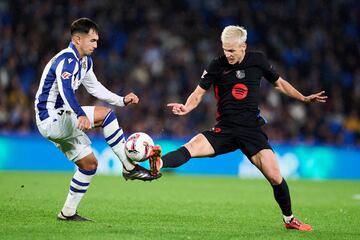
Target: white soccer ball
[[138, 146]]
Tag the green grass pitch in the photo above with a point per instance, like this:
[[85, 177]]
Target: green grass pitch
[[175, 207]]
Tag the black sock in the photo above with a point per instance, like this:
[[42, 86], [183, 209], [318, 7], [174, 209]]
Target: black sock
[[176, 158], [282, 197]]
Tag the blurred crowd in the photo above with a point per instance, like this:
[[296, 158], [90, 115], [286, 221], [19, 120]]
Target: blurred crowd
[[159, 49]]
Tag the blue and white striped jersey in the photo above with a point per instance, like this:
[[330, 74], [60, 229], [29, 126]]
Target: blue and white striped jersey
[[61, 77]]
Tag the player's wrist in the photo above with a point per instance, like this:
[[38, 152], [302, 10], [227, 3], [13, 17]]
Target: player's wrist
[[121, 102]]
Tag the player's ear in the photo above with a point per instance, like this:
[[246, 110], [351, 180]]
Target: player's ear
[[76, 39], [244, 46]]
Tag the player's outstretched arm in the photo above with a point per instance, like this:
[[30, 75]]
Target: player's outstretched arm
[[192, 102], [286, 88]]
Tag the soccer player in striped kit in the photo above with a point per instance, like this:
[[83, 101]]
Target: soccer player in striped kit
[[62, 120]]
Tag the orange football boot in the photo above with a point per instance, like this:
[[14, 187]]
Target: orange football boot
[[298, 225], [155, 160]]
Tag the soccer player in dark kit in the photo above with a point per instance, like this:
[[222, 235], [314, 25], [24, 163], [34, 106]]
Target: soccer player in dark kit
[[236, 77]]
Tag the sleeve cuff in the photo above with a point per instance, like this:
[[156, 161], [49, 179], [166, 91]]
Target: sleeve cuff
[[122, 102]]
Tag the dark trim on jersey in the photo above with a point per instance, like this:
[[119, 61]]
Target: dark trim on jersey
[[217, 97], [69, 91], [48, 83]]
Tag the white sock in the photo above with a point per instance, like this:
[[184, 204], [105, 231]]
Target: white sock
[[78, 186], [114, 136], [287, 219]]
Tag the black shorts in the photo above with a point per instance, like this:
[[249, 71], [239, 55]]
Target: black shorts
[[225, 138]]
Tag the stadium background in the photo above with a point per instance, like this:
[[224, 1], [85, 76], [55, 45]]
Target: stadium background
[[158, 49]]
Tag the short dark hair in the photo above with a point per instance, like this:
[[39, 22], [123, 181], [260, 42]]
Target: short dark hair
[[83, 25]]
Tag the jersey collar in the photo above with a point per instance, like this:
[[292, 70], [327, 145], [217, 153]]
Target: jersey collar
[[244, 60], [72, 46]]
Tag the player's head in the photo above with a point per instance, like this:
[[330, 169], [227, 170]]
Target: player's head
[[233, 40], [84, 34]]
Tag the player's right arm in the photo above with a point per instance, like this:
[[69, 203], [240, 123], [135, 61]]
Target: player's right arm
[[64, 77], [206, 81], [192, 102]]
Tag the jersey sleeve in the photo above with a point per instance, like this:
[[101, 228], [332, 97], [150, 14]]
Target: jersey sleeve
[[210, 74], [95, 88], [268, 70], [64, 78]]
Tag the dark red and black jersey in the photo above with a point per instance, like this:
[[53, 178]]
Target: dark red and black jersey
[[237, 86]]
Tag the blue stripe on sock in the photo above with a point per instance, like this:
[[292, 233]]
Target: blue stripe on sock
[[80, 183], [87, 172], [77, 190], [117, 141], [112, 135], [108, 119]]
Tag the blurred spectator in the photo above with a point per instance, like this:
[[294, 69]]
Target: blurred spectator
[[158, 49]]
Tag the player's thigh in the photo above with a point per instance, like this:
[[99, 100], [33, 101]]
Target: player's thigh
[[199, 146], [76, 146], [265, 161], [251, 141], [62, 126], [90, 113], [96, 114]]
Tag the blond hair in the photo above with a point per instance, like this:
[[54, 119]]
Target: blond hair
[[234, 33]]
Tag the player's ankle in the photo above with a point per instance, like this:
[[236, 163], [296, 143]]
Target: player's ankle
[[288, 219]]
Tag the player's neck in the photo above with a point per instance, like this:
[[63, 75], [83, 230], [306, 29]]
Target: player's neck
[[79, 52], [241, 59]]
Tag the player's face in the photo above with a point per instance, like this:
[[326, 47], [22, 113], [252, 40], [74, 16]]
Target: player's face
[[234, 51], [88, 43]]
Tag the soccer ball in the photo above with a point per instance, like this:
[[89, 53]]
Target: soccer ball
[[138, 146]]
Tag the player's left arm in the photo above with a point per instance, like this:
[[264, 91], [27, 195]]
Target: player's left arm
[[286, 88]]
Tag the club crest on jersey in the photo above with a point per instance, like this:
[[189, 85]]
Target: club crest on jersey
[[240, 74], [84, 65], [66, 75]]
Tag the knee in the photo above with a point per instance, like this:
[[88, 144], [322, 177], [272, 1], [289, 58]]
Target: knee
[[93, 165], [275, 178], [107, 117], [105, 111], [88, 164], [101, 114]]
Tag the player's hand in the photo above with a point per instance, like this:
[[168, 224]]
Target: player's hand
[[131, 98], [83, 123], [178, 108], [316, 97]]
